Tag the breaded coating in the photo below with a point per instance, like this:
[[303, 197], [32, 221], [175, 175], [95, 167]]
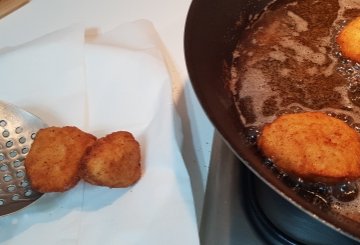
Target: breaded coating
[[312, 145], [349, 40], [53, 162], [113, 161]]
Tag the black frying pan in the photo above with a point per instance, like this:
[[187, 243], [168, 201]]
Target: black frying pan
[[212, 31]]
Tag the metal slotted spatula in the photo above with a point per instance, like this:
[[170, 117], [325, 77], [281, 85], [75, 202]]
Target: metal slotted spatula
[[17, 131]]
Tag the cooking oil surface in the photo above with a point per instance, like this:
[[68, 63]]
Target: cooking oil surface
[[290, 58], [288, 62]]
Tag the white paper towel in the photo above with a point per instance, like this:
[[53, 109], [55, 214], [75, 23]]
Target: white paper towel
[[103, 83]]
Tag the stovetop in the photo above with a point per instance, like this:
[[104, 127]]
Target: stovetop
[[224, 221], [239, 209]]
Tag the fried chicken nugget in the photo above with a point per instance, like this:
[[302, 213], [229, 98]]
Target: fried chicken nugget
[[113, 161], [53, 162], [349, 40], [312, 145]]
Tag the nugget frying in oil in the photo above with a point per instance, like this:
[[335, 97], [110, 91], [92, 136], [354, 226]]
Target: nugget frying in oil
[[113, 161], [312, 145], [53, 162], [349, 40]]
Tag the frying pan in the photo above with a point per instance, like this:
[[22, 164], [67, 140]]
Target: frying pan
[[213, 28]]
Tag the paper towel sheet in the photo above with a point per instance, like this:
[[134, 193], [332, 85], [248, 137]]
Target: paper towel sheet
[[103, 82]]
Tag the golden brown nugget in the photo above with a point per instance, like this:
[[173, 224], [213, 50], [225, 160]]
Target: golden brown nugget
[[349, 40], [312, 145], [53, 162], [113, 161]]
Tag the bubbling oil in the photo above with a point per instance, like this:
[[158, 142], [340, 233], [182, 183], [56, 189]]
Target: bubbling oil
[[289, 57], [342, 196], [289, 62]]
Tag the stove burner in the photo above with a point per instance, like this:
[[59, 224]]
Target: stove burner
[[240, 209], [279, 222], [265, 228]]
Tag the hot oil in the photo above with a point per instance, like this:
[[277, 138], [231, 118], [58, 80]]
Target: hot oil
[[289, 62]]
